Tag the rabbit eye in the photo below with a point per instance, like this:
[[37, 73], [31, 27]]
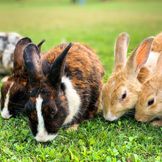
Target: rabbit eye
[[150, 102], [52, 114], [29, 106], [124, 95], [33, 93]]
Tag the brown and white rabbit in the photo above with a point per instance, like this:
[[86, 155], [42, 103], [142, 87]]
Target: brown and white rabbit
[[14, 91], [149, 105], [67, 94], [120, 93]]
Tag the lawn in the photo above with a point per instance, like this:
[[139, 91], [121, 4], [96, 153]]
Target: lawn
[[96, 24]]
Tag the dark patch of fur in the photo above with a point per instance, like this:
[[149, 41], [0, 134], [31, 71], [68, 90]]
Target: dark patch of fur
[[85, 71], [18, 93], [53, 121]]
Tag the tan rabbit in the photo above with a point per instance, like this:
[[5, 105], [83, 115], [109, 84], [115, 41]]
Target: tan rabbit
[[149, 105], [120, 93]]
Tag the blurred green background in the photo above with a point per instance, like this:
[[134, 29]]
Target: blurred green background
[[96, 23]]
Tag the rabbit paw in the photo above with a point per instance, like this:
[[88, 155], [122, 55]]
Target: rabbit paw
[[157, 123], [74, 127]]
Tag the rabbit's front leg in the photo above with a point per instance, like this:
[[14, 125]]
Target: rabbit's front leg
[[157, 123], [73, 127]]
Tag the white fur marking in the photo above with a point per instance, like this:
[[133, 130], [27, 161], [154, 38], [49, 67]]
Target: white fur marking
[[73, 98], [109, 116], [5, 113], [7, 56], [42, 135], [4, 79], [152, 60]]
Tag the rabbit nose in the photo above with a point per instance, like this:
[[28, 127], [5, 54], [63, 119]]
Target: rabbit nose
[[138, 118], [44, 136], [40, 138], [110, 117]]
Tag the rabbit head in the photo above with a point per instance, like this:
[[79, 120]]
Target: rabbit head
[[120, 93], [47, 106], [149, 105], [14, 92], [14, 89]]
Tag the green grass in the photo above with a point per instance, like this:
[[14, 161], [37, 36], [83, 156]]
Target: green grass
[[97, 25]]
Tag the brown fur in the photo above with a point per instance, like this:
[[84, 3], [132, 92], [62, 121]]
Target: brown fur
[[83, 69], [114, 86], [86, 57], [19, 90], [157, 123], [120, 93], [157, 43], [143, 74], [86, 60], [121, 50], [152, 91]]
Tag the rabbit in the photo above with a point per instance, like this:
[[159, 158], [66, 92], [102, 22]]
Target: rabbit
[[149, 104], [68, 93], [8, 42], [14, 91], [120, 93]]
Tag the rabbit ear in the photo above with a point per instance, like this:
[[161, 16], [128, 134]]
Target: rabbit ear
[[39, 45], [121, 47], [157, 43], [139, 57], [18, 53], [33, 63], [57, 69], [159, 65]]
